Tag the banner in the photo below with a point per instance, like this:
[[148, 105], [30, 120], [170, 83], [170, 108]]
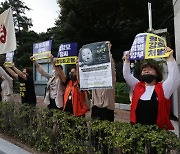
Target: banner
[[9, 59], [67, 54], [42, 50], [148, 46], [7, 32], [95, 66]]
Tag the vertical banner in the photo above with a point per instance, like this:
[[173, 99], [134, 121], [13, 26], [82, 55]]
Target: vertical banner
[[9, 59], [7, 32], [42, 50], [67, 54], [148, 46], [95, 66]]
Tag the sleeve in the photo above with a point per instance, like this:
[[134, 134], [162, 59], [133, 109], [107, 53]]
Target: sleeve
[[4, 74], [129, 78], [173, 80], [43, 72], [113, 70]]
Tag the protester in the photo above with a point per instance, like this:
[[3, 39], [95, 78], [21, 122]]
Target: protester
[[103, 100], [6, 86], [26, 86], [132, 70], [151, 98], [74, 98], [54, 92]]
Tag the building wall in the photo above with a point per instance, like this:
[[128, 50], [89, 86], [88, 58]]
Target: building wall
[[176, 4], [40, 81]]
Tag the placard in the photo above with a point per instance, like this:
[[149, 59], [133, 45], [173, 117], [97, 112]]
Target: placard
[[9, 59], [148, 46], [42, 50], [67, 54], [95, 66]]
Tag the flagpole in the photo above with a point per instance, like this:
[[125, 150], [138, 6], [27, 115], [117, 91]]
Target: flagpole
[[150, 15]]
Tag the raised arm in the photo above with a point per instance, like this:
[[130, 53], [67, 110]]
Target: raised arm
[[40, 69], [4, 74], [14, 75], [130, 79], [173, 80], [77, 71], [58, 69], [61, 73], [19, 73]]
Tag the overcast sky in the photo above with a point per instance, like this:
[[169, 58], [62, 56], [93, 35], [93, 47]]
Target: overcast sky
[[43, 13]]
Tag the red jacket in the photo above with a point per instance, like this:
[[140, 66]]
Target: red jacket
[[78, 98], [164, 105]]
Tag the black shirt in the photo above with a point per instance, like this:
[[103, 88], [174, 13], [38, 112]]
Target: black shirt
[[69, 107], [146, 112], [27, 90]]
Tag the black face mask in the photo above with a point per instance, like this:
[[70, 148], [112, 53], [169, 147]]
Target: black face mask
[[73, 77], [148, 78]]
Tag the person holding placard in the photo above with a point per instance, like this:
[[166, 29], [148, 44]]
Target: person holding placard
[[6, 86], [74, 98], [26, 85], [151, 97], [103, 100], [55, 87]]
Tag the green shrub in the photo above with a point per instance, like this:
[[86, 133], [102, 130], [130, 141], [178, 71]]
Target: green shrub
[[121, 94], [57, 132]]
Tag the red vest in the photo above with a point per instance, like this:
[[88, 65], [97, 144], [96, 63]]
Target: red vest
[[164, 105], [78, 98]]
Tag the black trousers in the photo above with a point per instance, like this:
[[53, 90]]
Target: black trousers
[[102, 113], [52, 105]]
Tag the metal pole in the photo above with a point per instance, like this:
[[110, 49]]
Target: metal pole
[[150, 15]]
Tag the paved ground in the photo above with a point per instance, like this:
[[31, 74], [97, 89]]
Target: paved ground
[[9, 148]]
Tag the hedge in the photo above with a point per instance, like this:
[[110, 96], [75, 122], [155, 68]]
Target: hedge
[[121, 93], [56, 132]]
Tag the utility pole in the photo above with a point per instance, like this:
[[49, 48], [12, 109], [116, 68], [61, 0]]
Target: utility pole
[[150, 16]]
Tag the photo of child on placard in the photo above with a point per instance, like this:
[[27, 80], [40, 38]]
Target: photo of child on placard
[[93, 54], [95, 70]]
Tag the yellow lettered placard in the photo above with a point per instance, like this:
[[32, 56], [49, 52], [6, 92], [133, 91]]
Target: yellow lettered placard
[[66, 60], [42, 55], [155, 47]]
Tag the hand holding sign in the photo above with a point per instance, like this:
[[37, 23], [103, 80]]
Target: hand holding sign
[[169, 51], [126, 56]]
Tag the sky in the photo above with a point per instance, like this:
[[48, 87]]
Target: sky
[[43, 13]]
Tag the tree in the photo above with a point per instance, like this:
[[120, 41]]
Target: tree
[[118, 21], [21, 22], [24, 37]]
